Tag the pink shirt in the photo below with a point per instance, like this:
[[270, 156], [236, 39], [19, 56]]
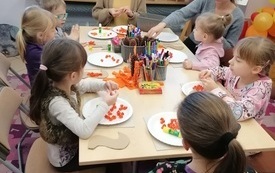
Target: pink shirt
[[247, 102], [208, 55]]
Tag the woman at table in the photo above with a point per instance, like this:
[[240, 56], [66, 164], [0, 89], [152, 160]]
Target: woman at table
[[196, 7], [209, 130], [117, 12]]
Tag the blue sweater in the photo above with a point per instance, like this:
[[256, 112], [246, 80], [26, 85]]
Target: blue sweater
[[196, 7], [33, 59]]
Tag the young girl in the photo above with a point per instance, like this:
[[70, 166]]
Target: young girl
[[55, 101], [209, 29], [209, 129], [37, 28], [246, 81], [58, 8]]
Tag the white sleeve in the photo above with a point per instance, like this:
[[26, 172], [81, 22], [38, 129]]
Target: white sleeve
[[61, 109], [90, 85]]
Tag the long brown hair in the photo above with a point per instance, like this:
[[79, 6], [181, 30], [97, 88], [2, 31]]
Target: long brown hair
[[34, 20], [61, 57], [204, 119]]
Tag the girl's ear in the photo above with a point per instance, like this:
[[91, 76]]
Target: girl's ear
[[185, 144], [257, 69], [39, 36]]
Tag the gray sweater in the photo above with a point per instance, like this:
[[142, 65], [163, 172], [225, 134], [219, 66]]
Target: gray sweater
[[232, 32]]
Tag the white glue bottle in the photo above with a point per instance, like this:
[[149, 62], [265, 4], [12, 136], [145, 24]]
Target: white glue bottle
[[100, 29]]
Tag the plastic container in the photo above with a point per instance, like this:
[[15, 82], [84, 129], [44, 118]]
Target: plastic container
[[146, 21], [127, 50]]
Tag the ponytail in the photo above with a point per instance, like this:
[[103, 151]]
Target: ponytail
[[234, 160], [226, 19], [40, 86], [21, 44]]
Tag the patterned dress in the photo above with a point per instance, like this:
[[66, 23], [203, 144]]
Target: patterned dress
[[248, 102]]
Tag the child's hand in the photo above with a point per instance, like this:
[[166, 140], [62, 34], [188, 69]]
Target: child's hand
[[110, 85], [205, 74], [187, 64], [109, 97], [209, 84], [74, 33]]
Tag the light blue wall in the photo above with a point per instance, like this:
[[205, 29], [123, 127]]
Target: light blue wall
[[11, 10]]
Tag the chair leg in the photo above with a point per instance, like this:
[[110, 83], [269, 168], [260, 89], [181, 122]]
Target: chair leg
[[10, 166], [20, 159], [135, 167]]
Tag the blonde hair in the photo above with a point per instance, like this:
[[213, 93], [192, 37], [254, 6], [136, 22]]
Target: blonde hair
[[258, 51], [51, 5], [34, 20], [205, 122], [213, 24]]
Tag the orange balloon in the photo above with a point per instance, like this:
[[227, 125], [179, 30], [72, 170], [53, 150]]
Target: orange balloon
[[271, 31], [269, 10], [251, 32], [263, 21]]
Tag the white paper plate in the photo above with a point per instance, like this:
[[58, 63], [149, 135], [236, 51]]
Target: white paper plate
[[167, 37], [106, 34], [178, 56], [99, 59], [90, 106], [154, 127], [187, 88], [117, 29]]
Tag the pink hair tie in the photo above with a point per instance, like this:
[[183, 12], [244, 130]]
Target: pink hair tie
[[43, 67]]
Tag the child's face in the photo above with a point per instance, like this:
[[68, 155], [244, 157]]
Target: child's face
[[61, 15], [49, 35], [239, 67], [198, 33]]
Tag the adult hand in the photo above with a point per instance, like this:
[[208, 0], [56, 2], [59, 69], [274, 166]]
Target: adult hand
[[209, 84], [155, 31], [127, 11], [205, 74], [110, 85], [74, 33], [109, 97], [187, 64], [115, 12]]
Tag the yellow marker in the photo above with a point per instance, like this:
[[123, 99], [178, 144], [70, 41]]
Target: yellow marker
[[171, 132]]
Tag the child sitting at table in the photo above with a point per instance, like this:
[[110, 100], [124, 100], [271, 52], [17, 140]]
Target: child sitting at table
[[37, 28], [246, 79], [209, 130], [209, 29], [58, 8], [55, 101], [117, 12]]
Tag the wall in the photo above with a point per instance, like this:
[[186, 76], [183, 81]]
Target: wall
[[11, 10], [254, 5]]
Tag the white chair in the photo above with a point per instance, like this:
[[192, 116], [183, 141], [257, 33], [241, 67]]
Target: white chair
[[10, 101], [5, 67]]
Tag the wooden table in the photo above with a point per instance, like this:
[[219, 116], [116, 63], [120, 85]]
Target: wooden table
[[141, 147]]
